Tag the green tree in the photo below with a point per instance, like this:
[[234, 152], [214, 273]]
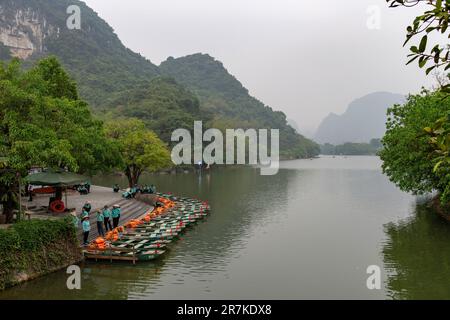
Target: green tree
[[141, 148], [162, 104], [435, 19], [43, 123], [408, 157]]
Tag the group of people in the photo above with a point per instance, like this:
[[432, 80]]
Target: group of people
[[84, 188], [103, 218], [131, 192]]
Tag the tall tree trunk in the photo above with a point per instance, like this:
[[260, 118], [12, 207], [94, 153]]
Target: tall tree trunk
[[8, 208], [129, 177], [133, 174]]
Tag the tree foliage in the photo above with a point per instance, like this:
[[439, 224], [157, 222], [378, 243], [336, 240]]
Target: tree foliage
[[352, 148], [43, 123], [162, 104], [36, 246], [433, 146], [435, 19], [141, 148], [94, 55], [408, 156]]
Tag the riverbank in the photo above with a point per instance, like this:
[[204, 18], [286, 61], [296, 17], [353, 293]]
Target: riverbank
[[30, 249], [234, 255], [443, 211], [48, 242]]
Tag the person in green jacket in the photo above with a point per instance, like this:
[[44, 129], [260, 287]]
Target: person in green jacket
[[106, 216], [87, 207], [86, 228], [84, 214], [115, 213], [100, 221]]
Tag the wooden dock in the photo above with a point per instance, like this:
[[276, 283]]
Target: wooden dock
[[107, 254], [148, 238]]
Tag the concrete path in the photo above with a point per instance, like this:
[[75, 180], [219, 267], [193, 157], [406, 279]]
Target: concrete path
[[98, 197]]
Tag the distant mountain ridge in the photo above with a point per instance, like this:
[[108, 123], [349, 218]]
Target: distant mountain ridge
[[364, 119], [118, 82], [229, 103]]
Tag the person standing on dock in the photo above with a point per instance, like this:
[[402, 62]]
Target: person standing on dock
[[115, 213], [86, 228], [100, 221], [106, 216], [84, 214], [87, 207]]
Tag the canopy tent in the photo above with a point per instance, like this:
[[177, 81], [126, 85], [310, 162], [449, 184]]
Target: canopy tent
[[59, 179], [56, 178]]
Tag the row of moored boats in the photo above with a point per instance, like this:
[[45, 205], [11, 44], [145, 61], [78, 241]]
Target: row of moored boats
[[150, 237]]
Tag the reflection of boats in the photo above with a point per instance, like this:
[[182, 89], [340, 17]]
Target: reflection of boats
[[147, 239]]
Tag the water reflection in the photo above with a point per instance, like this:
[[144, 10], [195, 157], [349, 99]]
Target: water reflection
[[417, 256], [241, 199], [310, 231]]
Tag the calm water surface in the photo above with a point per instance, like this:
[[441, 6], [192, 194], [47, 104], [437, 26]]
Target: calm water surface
[[310, 231]]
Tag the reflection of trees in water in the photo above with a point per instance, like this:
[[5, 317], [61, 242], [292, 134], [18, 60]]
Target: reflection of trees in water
[[98, 281], [240, 199], [417, 257]]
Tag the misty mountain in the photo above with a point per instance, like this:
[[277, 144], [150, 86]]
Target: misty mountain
[[118, 81], [229, 102], [364, 119]]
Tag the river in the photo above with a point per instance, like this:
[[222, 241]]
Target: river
[[311, 231]]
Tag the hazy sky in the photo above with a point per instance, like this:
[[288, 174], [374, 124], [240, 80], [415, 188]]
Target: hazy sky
[[306, 58]]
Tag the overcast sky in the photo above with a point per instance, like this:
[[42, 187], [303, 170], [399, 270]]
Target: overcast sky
[[306, 58]]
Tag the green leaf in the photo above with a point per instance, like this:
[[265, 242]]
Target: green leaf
[[423, 43], [436, 166], [429, 69], [422, 61], [413, 59]]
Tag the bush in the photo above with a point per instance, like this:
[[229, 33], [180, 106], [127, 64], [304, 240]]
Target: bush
[[36, 247]]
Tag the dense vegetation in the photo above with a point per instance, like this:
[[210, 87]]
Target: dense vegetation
[[44, 123], [113, 78], [417, 142], [162, 104], [141, 149], [352, 148], [94, 56], [224, 97], [408, 157], [36, 247]]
